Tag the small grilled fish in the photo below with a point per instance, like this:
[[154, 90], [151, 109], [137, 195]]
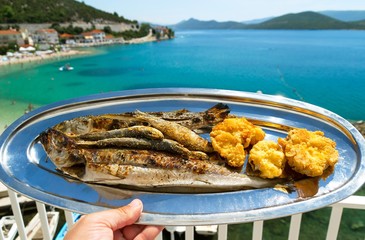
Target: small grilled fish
[[197, 121], [135, 131], [177, 132]]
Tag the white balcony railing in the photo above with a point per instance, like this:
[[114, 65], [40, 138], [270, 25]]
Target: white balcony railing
[[43, 224]]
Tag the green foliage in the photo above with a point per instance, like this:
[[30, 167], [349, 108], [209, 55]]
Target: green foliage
[[60, 11], [130, 34], [69, 29], [304, 20], [11, 47]]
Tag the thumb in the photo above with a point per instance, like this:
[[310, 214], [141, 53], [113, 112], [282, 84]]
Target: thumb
[[126, 215], [120, 217]]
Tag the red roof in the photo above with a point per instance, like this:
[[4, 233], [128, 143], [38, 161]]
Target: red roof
[[97, 31], [66, 35], [8, 32], [47, 30]]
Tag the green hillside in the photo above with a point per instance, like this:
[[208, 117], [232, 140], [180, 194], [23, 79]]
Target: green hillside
[[298, 21], [46, 11], [303, 20], [195, 24]]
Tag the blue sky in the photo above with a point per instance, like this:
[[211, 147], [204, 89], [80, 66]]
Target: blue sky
[[174, 11]]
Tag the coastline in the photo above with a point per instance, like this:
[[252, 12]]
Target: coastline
[[42, 58], [74, 50]]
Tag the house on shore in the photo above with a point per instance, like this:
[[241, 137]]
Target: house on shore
[[67, 38], [46, 36], [94, 36], [11, 36]]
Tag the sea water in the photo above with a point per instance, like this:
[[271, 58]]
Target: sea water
[[325, 68]]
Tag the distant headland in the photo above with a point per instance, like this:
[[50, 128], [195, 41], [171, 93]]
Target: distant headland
[[309, 20]]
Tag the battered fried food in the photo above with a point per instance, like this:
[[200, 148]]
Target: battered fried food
[[268, 159], [309, 153], [232, 136]]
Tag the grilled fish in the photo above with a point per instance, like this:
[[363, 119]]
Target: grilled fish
[[149, 170], [150, 151], [177, 132], [199, 122]]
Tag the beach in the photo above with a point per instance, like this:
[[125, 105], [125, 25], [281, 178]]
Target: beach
[[34, 58]]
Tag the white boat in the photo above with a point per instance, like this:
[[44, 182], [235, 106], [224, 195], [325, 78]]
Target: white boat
[[66, 67]]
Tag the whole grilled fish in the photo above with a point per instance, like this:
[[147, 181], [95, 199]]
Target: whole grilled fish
[[199, 122], [149, 170], [177, 132]]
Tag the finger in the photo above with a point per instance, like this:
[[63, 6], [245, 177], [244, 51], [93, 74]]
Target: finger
[[141, 232], [126, 215], [117, 218]]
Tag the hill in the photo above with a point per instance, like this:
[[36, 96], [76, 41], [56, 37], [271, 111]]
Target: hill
[[346, 16], [299, 21], [194, 24], [303, 20], [60, 11]]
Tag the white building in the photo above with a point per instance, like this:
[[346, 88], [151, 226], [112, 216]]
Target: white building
[[46, 36]]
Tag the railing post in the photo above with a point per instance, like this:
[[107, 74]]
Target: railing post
[[44, 221], [295, 226], [189, 233], [258, 227], [17, 214], [69, 219], [334, 224], [222, 232]]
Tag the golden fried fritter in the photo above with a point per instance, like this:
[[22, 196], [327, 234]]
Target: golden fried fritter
[[232, 136], [267, 158], [309, 153]]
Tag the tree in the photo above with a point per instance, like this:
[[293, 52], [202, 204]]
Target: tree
[[7, 14], [108, 30]]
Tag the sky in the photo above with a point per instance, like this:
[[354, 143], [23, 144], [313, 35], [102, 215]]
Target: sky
[[174, 11]]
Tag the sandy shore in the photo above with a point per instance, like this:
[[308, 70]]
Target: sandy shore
[[40, 58]]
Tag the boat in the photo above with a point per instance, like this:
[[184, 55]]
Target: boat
[[66, 67]]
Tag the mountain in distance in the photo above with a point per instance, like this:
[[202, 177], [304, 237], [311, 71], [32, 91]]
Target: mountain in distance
[[300, 21], [256, 21], [194, 24], [303, 20], [346, 16]]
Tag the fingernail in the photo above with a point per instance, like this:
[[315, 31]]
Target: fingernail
[[135, 203]]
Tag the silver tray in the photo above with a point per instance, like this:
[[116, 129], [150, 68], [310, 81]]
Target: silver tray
[[25, 168]]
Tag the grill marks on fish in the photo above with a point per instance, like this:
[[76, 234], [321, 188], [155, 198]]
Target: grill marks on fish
[[149, 151], [135, 131], [197, 121], [142, 143], [177, 132], [147, 169]]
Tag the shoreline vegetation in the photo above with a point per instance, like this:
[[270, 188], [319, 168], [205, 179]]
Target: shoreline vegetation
[[78, 49]]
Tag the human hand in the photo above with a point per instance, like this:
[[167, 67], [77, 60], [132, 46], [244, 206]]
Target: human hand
[[113, 224]]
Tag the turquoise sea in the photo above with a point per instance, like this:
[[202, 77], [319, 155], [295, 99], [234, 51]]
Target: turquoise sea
[[325, 68]]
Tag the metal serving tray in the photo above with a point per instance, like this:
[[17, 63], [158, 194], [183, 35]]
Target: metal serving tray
[[26, 169]]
